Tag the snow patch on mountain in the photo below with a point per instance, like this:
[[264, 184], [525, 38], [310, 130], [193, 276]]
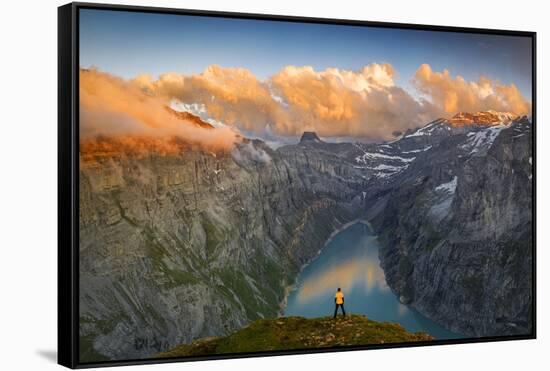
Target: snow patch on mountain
[[418, 150], [197, 109], [389, 167], [428, 129], [483, 139], [449, 187], [375, 155]]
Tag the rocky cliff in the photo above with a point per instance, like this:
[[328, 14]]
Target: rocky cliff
[[177, 247], [456, 231]]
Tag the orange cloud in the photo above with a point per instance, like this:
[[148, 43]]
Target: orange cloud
[[231, 95], [333, 102], [365, 104], [110, 106], [336, 102], [454, 94]]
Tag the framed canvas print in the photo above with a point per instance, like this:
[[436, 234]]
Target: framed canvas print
[[236, 185]]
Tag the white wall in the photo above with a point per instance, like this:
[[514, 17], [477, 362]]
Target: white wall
[[28, 182]]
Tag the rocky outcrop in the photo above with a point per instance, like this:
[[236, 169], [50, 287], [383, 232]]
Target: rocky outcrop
[[310, 136]]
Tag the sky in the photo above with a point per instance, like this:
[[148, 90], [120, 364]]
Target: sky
[[133, 44]]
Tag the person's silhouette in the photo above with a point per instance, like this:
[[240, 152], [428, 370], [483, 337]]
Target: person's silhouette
[[339, 302]]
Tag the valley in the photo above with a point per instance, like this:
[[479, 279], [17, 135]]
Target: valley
[[181, 246]]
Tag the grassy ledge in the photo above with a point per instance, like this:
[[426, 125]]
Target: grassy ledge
[[288, 333]]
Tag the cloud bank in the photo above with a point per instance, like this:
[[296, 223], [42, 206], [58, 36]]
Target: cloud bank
[[338, 103], [365, 104], [112, 107], [454, 94], [334, 102]]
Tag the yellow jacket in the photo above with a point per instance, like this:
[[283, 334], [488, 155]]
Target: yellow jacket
[[339, 297]]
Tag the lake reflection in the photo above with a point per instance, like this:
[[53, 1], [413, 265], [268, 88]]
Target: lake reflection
[[350, 261]]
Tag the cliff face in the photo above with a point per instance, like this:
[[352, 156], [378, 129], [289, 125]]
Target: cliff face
[[178, 247], [457, 233]]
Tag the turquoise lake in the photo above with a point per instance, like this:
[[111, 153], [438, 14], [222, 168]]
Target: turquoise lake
[[350, 261]]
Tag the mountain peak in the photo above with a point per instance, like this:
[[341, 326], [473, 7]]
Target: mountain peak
[[488, 118], [189, 117], [310, 136]]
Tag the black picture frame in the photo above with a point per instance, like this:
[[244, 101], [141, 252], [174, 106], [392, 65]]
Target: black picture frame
[[68, 178]]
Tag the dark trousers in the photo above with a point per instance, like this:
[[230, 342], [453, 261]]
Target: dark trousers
[[336, 309]]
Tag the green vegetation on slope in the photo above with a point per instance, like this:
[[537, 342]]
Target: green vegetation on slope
[[288, 333]]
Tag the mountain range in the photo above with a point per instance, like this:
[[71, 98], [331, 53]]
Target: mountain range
[[177, 247]]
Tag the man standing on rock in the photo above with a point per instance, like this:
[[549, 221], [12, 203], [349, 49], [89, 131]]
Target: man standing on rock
[[339, 301]]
